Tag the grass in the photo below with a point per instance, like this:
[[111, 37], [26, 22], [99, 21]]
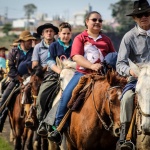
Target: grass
[[5, 145]]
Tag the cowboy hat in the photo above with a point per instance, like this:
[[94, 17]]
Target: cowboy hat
[[139, 7], [37, 36], [14, 43], [25, 36], [45, 26], [3, 48]]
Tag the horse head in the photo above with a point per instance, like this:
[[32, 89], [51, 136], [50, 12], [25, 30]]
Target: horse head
[[113, 95], [68, 69], [143, 94]]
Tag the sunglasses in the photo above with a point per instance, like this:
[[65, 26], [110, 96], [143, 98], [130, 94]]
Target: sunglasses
[[146, 14], [95, 19]]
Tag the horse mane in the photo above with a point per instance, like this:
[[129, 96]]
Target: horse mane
[[38, 71], [115, 79]]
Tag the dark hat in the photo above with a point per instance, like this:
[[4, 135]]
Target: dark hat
[[3, 48], [45, 26], [25, 36], [139, 7], [37, 36]]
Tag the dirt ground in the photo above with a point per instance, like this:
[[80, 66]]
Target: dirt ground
[[6, 131]]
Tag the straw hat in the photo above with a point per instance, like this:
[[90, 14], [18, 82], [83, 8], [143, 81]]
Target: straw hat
[[25, 36], [14, 43], [139, 7]]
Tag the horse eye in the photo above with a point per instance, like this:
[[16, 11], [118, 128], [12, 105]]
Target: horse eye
[[111, 101]]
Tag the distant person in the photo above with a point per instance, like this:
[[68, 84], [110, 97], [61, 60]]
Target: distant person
[[37, 39], [3, 57], [14, 44]]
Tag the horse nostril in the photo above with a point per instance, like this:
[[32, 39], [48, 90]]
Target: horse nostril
[[117, 131]]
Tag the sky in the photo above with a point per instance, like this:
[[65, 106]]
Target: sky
[[14, 8]]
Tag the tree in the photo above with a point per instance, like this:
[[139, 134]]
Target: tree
[[6, 28], [29, 10], [119, 12]]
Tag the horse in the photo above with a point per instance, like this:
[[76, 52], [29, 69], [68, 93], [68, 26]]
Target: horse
[[68, 69], [141, 136], [96, 123], [17, 114]]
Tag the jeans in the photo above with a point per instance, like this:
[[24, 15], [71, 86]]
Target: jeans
[[66, 96], [7, 91]]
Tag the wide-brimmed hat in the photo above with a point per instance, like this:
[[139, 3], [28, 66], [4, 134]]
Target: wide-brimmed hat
[[45, 26], [139, 7], [37, 36], [14, 43], [3, 48], [25, 36]]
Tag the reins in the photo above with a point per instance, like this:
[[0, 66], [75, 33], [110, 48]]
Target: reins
[[107, 127]]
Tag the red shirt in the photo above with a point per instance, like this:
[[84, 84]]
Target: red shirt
[[103, 44]]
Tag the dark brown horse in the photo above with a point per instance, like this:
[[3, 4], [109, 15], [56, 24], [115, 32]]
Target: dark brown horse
[[17, 114], [96, 124]]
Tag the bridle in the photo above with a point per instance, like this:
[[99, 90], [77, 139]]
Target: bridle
[[107, 127]]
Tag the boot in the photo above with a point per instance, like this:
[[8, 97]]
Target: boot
[[124, 130], [42, 129], [55, 136]]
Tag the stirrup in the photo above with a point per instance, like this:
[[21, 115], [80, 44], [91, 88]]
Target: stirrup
[[133, 146], [55, 136]]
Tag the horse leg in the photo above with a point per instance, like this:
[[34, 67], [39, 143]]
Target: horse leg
[[36, 141], [44, 144], [52, 146], [28, 142]]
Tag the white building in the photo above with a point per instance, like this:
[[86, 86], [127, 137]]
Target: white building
[[80, 16]]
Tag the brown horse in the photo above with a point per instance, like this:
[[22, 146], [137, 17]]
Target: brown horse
[[17, 114], [96, 124], [67, 72]]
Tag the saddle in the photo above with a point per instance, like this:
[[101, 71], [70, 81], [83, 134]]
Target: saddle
[[82, 91]]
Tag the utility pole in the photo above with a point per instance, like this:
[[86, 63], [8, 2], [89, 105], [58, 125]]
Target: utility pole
[[6, 14]]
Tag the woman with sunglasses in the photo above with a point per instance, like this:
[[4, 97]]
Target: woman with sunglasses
[[135, 46], [88, 51]]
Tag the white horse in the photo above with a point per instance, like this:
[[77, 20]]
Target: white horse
[[143, 105], [68, 69]]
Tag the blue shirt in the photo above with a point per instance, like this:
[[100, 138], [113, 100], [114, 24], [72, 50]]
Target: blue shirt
[[2, 62], [58, 49], [40, 53]]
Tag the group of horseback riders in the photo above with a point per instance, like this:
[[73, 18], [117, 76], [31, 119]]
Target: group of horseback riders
[[91, 50]]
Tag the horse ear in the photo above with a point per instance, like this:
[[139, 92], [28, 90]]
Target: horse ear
[[134, 67], [109, 78], [44, 69], [59, 63], [29, 69]]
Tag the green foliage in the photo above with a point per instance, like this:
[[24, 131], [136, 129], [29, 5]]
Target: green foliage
[[119, 12], [29, 10], [108, 28], [7, 40], [4, 145], [6, 28]]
